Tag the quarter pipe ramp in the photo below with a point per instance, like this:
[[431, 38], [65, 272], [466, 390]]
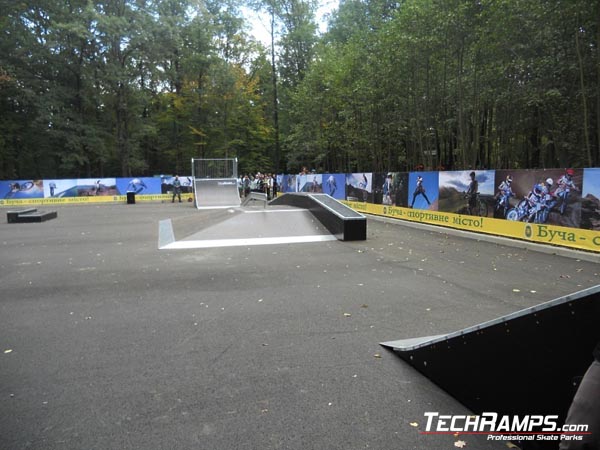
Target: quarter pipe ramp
[[216, 193]]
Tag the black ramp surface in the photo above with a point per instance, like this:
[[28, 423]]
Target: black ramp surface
[[13, 216], [341, 220], [107, 342], [31, 215], [523, 363]]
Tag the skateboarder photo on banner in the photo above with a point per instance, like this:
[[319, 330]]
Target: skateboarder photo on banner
[[176, 189]]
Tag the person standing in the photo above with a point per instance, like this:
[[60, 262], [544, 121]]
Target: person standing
[[332, 185], [275, 186], [176, 189], [268, 185], [585, 408], [419, 190], [472, 192], [387, 190], [246, 185]]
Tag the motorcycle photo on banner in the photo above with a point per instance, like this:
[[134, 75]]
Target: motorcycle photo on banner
[[540, 196]]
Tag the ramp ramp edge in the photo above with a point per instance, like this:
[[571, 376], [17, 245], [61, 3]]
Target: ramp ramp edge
[[166, 236], [418, 342], [341, 221]]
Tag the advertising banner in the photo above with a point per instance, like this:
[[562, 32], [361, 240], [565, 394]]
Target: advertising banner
[[334, 185], [552, 206], [287, 183], [312, 183], [359, 187], [89, 200], [423, 190], [541, 233], [21, 189]]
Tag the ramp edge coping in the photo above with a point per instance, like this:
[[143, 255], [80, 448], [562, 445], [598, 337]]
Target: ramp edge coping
[[415, 343]]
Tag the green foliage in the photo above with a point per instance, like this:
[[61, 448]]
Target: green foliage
[[452, 83], [126, 87], [119, 87]]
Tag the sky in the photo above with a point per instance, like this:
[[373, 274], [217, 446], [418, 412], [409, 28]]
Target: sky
[[259, 23], [460, 180], [591, 182]]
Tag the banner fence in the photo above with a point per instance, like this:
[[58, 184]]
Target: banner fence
[[569, 215]]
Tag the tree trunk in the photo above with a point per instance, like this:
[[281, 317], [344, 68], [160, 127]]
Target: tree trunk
[[461, 116], [597, 156], [122, 135], [583, 99], [275, 96]]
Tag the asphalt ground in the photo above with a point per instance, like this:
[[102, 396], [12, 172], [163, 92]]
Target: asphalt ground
[[107, 342]]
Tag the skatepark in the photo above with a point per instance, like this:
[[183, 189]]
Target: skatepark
[[163, 325]]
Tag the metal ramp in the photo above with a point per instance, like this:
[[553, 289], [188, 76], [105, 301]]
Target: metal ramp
[[341, 220], [256, 197], [215, 183], [216, 193], [245, 227], [527, 362]]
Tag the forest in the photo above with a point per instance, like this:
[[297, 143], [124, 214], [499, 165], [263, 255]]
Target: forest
[[96, 88]]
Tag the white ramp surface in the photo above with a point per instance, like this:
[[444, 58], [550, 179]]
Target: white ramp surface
[[250, 228], [216, 193]]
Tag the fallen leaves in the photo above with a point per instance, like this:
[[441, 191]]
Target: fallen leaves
[[414, 424], [460, 444]]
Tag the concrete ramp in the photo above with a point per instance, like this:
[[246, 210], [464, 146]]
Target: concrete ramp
[[247, 227], [528, 362], [216, 193]]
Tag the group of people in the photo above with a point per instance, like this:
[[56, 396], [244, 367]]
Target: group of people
[[265, 183], [543, 197]]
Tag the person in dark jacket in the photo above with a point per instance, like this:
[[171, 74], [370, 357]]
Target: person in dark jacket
[[585, 409], [176, 189]]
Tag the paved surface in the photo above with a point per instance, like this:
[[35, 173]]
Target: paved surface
[[107, 342]]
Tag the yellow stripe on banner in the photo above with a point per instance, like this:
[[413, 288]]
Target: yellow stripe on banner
[[546, 234], [90, 199]]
